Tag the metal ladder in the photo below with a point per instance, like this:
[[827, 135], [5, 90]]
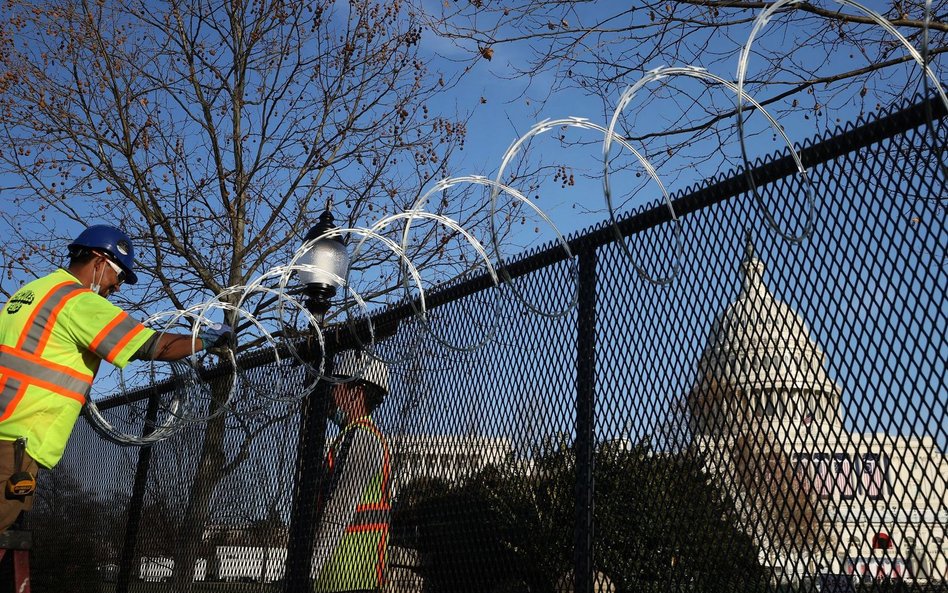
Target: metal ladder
[[19, 543]]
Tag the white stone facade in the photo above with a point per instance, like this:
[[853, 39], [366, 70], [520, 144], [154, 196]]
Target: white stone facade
[[445, 457], [872, 505]]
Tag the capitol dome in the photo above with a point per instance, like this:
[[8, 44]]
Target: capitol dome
[[758, 344]]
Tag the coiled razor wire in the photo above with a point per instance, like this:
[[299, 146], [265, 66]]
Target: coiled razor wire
[[627, 96], [937, 148], [496, 188], [157, 429], [190, 399], [183, 396], [421, 315], [759, 23]]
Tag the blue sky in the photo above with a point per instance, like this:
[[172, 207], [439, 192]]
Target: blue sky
[[503, 105]]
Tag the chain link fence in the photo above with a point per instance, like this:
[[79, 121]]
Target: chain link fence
[[774, 420]]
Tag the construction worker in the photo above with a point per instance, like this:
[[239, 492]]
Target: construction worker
[[54, 332], [352, 536]]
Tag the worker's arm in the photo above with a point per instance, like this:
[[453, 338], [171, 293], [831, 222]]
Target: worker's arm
[[359, 460], [178, 346], [168, 347]]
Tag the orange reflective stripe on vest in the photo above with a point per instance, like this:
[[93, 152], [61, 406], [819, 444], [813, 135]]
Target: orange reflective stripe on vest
[[369, 519], [23, 366], [32, 369], [36, 331], [115, 336]]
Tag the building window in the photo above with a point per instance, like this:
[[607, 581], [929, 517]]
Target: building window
[[823, 481], [882, 541], [842, 470], [873, 474]]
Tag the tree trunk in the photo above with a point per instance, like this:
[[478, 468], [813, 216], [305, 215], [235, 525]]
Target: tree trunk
[[208, 476]]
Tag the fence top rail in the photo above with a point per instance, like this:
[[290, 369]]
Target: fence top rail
[[833, 144]]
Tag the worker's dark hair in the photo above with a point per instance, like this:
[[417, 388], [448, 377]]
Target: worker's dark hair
[[79, 256]]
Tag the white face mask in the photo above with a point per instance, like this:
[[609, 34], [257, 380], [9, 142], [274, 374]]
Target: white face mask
[[96, 284]]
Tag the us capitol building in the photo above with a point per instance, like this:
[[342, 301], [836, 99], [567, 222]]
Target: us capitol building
[[816, 498]]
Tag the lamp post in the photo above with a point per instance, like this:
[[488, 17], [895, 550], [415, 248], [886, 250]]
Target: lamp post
[[326, 262]]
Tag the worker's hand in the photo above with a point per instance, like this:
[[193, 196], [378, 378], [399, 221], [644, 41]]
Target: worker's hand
[[216, 335]]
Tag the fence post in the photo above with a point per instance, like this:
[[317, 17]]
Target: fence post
[[583, 567], [308, 475], [137, 502]]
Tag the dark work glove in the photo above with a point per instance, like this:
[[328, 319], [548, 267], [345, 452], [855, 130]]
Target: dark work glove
[[216, 335]]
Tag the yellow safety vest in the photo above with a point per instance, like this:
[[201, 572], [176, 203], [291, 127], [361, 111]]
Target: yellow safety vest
[[358, 562], [53, 334]]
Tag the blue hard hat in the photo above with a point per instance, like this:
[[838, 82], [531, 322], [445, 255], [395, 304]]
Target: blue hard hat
[[112, 241]]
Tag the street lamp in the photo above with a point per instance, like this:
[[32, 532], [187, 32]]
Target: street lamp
[[324, 264]]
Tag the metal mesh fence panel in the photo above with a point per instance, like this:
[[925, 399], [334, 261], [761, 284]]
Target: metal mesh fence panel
[[772, 420]]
